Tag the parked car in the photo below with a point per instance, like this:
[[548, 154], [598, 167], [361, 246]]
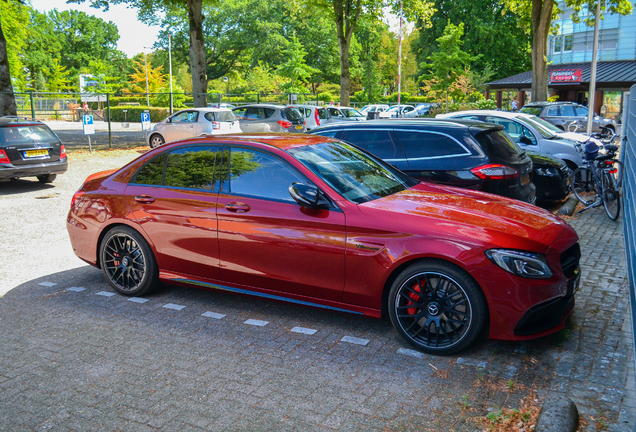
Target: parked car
[[29, 148], [405, 111], [318, 222], [425, 108], [314, 116], [528, 131], [370, 110], [562, 114], [192, 122], [467, 154], [551, 176], [269, 118], [345, 114], [221, 105]]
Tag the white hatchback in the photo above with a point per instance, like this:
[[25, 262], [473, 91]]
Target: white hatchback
[[194, 122]]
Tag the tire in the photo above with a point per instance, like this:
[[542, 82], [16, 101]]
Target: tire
[[156, 140], [611, 197], [583, 185], [47, 178], [441, 322], [128, 262]]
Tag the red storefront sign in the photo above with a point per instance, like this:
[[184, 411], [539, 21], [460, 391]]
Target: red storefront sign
[[566, 75]]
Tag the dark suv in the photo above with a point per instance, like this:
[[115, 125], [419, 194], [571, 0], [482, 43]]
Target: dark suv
[[28, 148], [463, 153], [564, 114]]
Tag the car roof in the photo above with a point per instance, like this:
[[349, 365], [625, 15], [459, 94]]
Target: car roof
[[22, 121], [282, 141], [204, 109], [504, 114], [413, 122], [550, 103], [262, 106]]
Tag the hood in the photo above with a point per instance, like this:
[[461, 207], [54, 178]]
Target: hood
[[544, 160], [469, 217], [573, 136]]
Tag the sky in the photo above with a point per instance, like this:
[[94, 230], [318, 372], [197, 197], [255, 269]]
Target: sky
[[133, 35]]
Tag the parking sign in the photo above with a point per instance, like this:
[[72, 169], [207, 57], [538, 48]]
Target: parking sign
[[145, 121], [89, 126]]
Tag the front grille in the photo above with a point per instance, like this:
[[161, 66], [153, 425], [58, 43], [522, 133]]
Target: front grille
[[544, 316], [570, 260], [565, 171]]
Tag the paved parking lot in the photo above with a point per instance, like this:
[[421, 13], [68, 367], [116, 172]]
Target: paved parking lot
[[76, 356]]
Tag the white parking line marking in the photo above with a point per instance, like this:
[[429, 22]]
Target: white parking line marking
[[304, 330], [254, 322], [354, 340], [47, 284], [471, 362], [173, 306], [105, 293], [76, 289], [411, 353], [213, 315], [138, 300]]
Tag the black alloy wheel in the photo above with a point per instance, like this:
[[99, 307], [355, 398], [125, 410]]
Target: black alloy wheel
[[128, 262], [437, 307]]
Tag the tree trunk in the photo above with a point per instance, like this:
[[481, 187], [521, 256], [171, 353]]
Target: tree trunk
[[7, 98], [345, 73], [346, 15], [541, 22], [197, 53]]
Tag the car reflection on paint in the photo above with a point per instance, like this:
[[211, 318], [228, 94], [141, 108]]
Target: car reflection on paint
[[317, 222]]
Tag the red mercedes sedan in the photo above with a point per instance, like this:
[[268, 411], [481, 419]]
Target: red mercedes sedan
[[319, 222]]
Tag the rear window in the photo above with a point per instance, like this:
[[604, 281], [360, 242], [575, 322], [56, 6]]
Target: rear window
[[498, 145], [26, 134], [428, 145], [221, 116], [323, 114], [377, 142], [291, 114], [531, 110]]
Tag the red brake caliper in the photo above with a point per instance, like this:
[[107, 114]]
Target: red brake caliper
[[415, 297]]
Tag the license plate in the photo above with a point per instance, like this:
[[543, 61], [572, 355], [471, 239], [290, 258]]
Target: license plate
[[299, 127], [36, 153], [525, 179], [575, 283]]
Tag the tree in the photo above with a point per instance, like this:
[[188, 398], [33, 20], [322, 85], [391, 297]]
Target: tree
[[262, 79], [14, 17], [448, 63], [58, 80], [42, 47], [156, 79], [537, 15], [295, 69]]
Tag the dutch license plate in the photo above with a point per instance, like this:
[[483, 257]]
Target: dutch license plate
[[36, 153], [298, 127], [525, 179], [575, 283]]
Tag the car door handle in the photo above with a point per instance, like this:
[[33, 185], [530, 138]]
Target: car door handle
[[238, 207], [144, 199]]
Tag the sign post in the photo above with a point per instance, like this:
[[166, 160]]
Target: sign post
[[145, 123], [89, 129]]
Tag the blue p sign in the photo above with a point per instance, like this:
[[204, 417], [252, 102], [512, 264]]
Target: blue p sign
[[145, 121]]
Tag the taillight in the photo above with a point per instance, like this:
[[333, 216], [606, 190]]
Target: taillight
[[610, 162], [62, 152], [216, 125], [284, 124], [495, 172], [77, 194], [4, 158], [613, 170], [317, 117]]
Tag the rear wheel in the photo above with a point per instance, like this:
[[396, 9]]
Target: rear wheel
[[156, 140], [47, 178], [583, 185], [437, 307], [128, 262], [611, 198]]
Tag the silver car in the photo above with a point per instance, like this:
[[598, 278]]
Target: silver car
[[269, 118], [193, 122], [529, 131], [345, 114], [567, 115], [314, 116]]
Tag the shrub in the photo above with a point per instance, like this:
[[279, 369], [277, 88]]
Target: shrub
[[134, 113]]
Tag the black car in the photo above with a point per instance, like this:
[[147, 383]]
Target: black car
[[551, 176], [463, 153], [28, 148]]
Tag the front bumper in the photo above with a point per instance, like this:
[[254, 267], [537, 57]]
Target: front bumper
[[8, 171]]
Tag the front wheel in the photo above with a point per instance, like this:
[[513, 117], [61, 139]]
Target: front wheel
[[611, 197], [128, 262], [437, 307], [156, 140], [583, 185]]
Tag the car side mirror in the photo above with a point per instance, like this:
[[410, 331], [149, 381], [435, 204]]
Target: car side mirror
[[525, 140], [307, 195]]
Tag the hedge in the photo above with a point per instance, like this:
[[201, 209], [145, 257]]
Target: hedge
[[134, 113]]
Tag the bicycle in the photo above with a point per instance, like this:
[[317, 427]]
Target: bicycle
[[598, 181]]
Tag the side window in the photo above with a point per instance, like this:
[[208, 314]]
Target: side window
[[582, 111], [261, 175], [552, 111], [254, 113], [182, 117], [323, 114], [268, 112], [152, 173], [529, 135], [514, 129], [377, 142], [470, 117], [418, 145], [567, 111], [330, 134], [334, 112], [239, 112], [192, 167]]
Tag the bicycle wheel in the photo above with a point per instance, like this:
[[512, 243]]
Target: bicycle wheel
[[583, 185], [611, 197]]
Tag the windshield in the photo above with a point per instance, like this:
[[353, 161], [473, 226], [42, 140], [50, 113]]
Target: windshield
[[548, 130], [531, 110], [350, 112], [354, 174], [26, 134], [291, 114]]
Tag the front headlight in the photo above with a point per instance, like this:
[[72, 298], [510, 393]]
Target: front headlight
[[551, 172], [524, 264]]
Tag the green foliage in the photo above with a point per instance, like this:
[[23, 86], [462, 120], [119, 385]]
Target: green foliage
[[486, 104], [134, 113], [15, 19], [262, 79], [58, 80], [295, 69], [405, 97]]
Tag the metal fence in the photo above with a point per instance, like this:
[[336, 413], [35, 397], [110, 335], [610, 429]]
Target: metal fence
[[117, 116]]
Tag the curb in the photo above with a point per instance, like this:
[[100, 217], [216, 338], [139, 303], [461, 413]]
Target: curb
[[558, 414], [569, 207]]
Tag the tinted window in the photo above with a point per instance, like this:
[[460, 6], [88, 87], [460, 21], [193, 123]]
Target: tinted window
[[498, 145], [152, 172], [567, 111], [376, 142], [255, 113], [552, 111], [26, 134], [240, 112], [417, 145], [220, 116], [331, 133], [192, 167], [323, 114], [531, 110], [291, 114], [261, 175]]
